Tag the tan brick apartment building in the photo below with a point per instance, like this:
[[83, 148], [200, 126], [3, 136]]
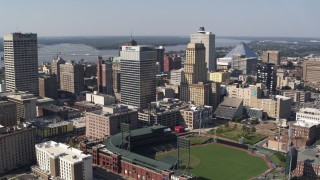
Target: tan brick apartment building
[[16, 147], [100, 123]]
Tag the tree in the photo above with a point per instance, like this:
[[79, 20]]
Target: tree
[[249, 80], [253, 129]]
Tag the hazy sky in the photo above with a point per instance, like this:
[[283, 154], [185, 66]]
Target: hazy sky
[[161, 17]]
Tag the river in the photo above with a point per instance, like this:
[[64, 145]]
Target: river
[[44, 56]]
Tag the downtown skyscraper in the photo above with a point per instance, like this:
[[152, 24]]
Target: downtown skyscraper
[[138, 75], [208, 39], [194, 86], [104, 76], [21, 62]]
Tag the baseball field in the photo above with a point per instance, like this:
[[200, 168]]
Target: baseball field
[[214, 161]]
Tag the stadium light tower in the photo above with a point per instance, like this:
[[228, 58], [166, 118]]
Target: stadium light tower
[[183, 143], [125, 129]]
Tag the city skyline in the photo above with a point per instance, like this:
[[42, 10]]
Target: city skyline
[[223, 18]]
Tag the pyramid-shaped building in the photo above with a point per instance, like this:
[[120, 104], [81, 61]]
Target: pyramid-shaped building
[[242, 49], [241, 60]]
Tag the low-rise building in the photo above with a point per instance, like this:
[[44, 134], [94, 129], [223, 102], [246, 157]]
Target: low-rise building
[[8, 113], [16, 147], [286, 82], [65, 112], [43, 102], [277, 107], [86, 106], [297, 96], [309, 115], [278, 143], [49, 126], [25, 105], [194, 117], [165, 112], [100, 99], [59, 161], [219, 76], [245, 92], [308, 163], [230, 108], [304, 134], [79, 125]]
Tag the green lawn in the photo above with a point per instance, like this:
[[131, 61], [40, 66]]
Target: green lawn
[[214, 161], [235, 135], [280, 159], [197, 140]]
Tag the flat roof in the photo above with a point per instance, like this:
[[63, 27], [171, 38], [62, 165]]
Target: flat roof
[[62, 151], [309, 155]]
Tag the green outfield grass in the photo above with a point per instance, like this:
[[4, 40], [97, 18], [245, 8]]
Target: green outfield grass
[[214, 161]]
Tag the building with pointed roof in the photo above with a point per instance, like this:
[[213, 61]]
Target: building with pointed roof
[[242, 49], [241, 58]]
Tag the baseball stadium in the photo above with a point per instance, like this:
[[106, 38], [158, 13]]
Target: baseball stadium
[[151, 154]]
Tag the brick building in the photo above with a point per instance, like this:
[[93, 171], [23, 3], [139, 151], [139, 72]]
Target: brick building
[[100, 123], [16, 147]]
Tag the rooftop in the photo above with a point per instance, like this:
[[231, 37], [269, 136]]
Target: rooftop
[[231, 102], [282, 97], [305, 123], [309, 155], [309, 110], [63, 151], [48, 122]]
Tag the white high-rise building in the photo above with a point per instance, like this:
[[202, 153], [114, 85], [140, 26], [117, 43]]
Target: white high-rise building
[[208, 39], [138, 75], [21, 62], [58, 160]]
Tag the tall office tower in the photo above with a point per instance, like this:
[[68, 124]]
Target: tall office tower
[[90, 70], [8, 113], [160, 56], [208, 39], [116, 74], [60, 161], [48, 86], [138, 75], [104, 76], [25, 106], [195, 65], [271, 57], [55, 68], [21, 62], [267, 74], [17, 147], [171, 62], [194, 72], [72, 77], [311, 69]]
